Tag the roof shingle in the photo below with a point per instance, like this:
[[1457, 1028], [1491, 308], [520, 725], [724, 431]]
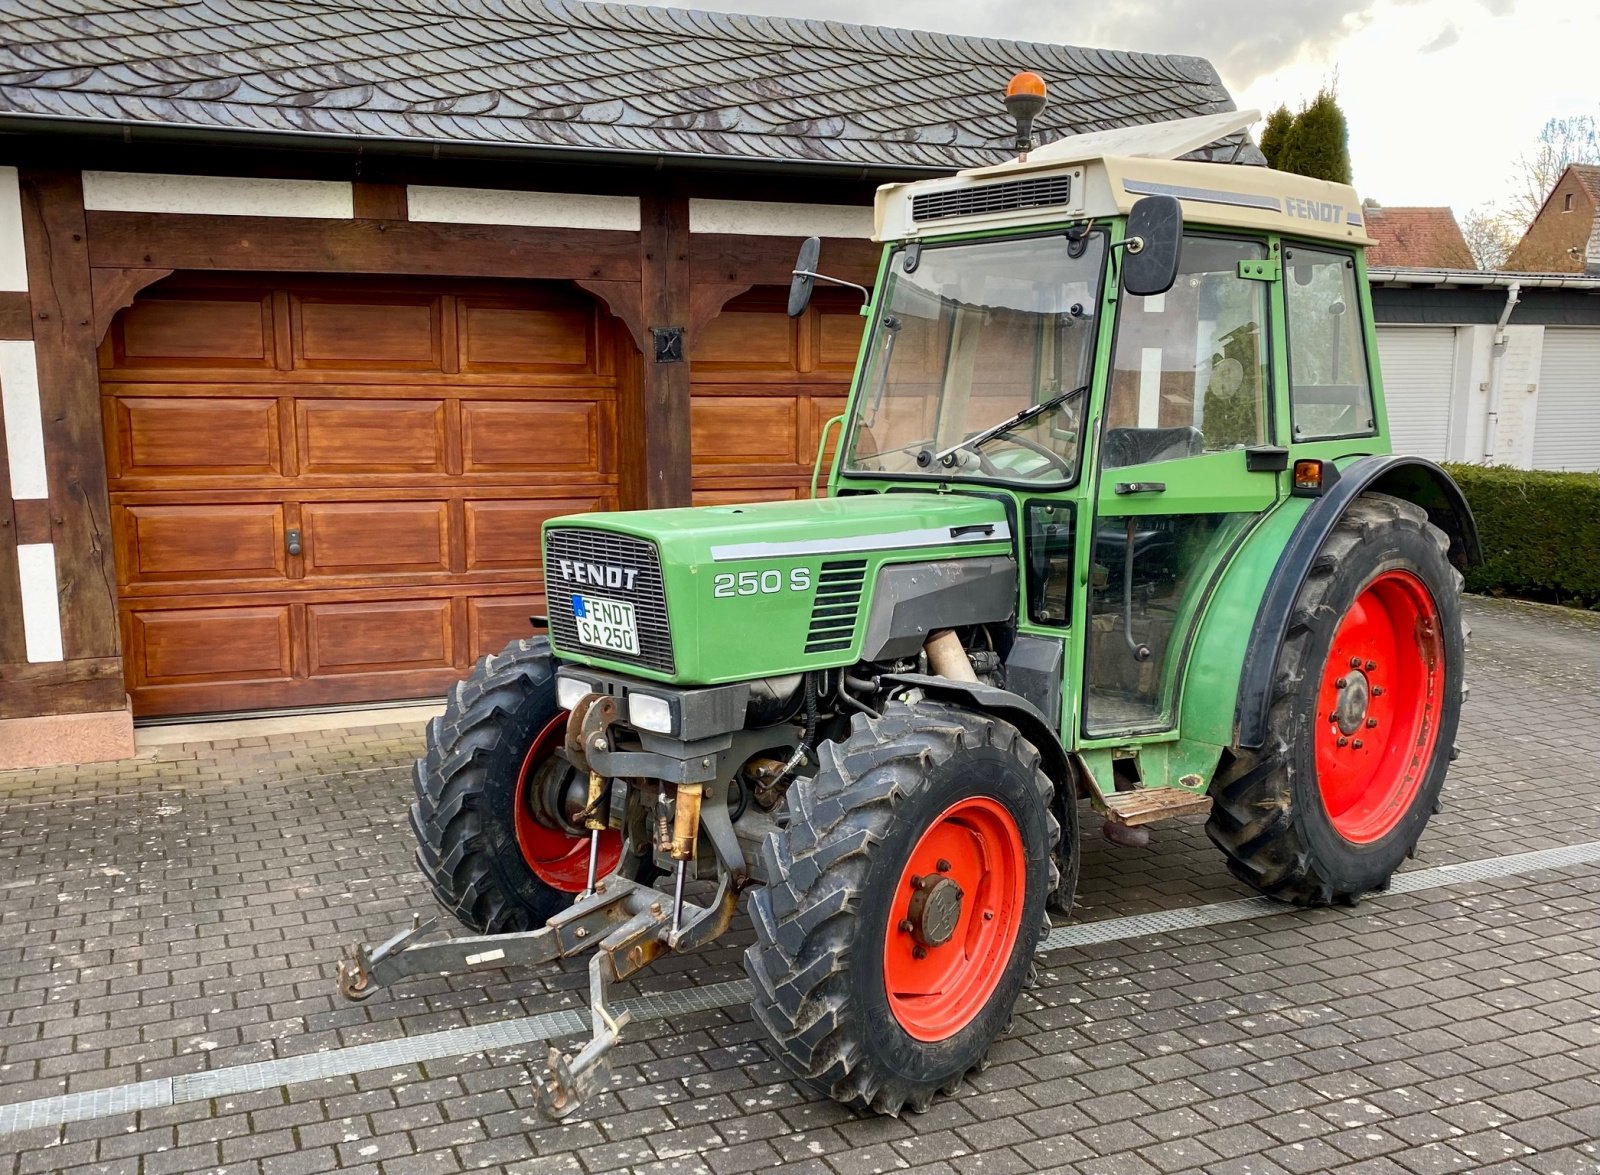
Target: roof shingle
[[573, 75], [1416, 238]]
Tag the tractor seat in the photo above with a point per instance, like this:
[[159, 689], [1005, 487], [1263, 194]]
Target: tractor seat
[[1136, 446]]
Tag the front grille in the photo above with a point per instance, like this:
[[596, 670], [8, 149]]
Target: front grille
[[837, 607], [595, 555], [1008, 197]]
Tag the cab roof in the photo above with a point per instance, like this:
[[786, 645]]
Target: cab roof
[[1102, 174]]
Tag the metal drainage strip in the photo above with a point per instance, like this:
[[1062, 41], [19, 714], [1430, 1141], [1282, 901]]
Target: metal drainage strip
[[505, 1034]]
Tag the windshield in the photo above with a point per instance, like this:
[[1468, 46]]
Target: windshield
[[979, 360]]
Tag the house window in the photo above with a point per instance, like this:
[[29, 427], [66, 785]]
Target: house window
[[1566, 202], [1329, 392]]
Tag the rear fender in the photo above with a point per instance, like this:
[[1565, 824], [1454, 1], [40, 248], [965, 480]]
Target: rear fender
[[1413, 479]]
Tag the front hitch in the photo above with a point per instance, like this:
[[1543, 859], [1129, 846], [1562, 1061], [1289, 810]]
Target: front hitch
[[625, 924]]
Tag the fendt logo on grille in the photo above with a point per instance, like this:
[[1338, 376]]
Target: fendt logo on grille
[[598, 574]]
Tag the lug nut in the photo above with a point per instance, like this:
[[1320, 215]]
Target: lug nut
[[916, 880], [919, 952], [1377, 691], [1343, 741], [1356, 744], [943, 866], [906, 926], [1371, 665], [1372, 723], [1340, 684], [1355, 662], [988, 915]]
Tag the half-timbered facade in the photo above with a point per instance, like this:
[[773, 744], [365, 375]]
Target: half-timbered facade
[[306, 325]]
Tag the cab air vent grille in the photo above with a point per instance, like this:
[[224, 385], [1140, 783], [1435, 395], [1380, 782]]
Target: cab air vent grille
[[837, 606], [991, 198]]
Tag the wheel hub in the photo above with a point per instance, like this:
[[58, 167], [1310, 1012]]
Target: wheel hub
[[935, 910], [1354, 693]]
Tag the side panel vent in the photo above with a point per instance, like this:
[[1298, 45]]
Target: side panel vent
[[837, 607], [990, 198]]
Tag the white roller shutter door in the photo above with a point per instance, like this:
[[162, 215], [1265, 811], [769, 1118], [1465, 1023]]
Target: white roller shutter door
[[1418, 375], [1566, 429]]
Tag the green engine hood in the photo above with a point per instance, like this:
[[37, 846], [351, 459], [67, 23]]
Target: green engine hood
[[773, 587]]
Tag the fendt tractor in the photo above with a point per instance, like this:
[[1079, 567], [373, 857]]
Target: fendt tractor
[[1111, 526]]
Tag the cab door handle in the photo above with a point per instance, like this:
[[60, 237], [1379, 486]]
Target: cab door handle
[[1141, 487]]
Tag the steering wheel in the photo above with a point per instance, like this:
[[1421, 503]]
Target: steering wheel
[[1053, 458]]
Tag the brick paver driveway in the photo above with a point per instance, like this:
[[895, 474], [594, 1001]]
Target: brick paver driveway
[[182, 914]]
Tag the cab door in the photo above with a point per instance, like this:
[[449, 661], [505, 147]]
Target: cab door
[[1185, 465]]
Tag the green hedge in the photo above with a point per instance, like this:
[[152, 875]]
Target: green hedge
[[1540, 532]]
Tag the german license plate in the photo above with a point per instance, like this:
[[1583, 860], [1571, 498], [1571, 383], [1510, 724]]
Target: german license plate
[[606, 624]]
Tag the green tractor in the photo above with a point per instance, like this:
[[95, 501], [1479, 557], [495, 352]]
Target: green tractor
[[1112, 523]]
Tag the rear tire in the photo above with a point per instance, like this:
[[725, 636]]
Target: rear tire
[[488, 861], [955, 799], [1366, 701]]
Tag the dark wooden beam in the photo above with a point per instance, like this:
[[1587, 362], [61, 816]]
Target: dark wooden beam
[[380, 201], [86, 686], [114, 289], [55, 242], [16, 316], [33, 520], [665, 280], [133, 240], [626, 303], [769, 261]]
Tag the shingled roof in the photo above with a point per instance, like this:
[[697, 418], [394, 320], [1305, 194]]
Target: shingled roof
[[568, 76], [1416, 238]]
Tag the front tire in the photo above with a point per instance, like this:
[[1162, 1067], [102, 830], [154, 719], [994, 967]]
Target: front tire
[[489, 860], [1366, 701], [904, 902]]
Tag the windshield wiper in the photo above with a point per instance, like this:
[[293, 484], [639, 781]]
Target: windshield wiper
[[999, 430]]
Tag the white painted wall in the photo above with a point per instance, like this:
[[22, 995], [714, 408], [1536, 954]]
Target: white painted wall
[[765, 218], [216, 195], [13, 263], [528, 209]]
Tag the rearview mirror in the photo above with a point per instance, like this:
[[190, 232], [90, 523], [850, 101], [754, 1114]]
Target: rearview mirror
[[1153, 247], [805, 276]]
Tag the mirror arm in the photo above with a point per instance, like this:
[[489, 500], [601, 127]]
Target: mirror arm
[[866, 294]]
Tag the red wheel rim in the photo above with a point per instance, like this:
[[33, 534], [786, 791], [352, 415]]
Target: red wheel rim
[[560, 860], [936, 990], [1378, 707]]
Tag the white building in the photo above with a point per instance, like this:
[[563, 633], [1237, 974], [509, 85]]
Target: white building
[[1491, 368]]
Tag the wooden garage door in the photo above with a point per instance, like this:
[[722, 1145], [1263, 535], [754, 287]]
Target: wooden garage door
[[415, 437], [764, 385]]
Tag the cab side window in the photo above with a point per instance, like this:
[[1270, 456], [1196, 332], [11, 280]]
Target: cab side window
[[1190, 371], [1330, 393]]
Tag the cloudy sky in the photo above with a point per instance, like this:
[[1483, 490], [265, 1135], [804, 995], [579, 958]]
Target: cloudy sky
[[1442, 95]]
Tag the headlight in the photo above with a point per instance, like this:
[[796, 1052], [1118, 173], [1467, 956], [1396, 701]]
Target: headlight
[[570, 691], [650, 713]]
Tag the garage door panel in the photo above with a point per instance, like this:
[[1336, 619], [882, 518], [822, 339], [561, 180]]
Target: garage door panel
[[196, 332], [171, 436], [1566, 423], [839, 340], [499, 436], [500, 337], [371, 436], [743, 430], [504, 535], [378, 636], [495, 621], [747, 340], [1418, 365], [210, 645], [710, 494], [402, 334], [205, 541], [375, 538]]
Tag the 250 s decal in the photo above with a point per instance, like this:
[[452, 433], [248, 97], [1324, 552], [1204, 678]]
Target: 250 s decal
[[768, 582]]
